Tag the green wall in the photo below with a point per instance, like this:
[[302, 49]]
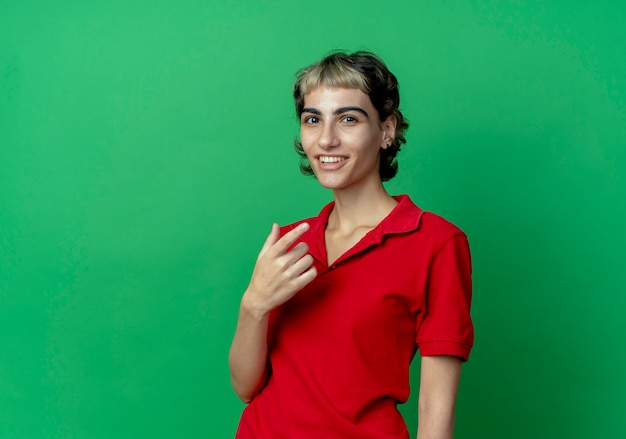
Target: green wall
[[145, 149]]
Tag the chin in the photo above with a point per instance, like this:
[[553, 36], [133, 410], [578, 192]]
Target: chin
[[327, 181], [327, 185], [332, 185]]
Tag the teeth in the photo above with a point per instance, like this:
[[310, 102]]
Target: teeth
[[327, 159]]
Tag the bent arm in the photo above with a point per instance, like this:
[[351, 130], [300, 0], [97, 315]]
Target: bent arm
[[278, 274], [439, 383]]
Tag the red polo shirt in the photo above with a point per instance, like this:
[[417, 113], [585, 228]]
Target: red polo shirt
[[340, 349]]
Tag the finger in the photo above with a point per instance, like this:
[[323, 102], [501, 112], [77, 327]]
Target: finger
[[305, 278], [271, 239], [285, 261], [301, 265], [290, 237], [299, 250]]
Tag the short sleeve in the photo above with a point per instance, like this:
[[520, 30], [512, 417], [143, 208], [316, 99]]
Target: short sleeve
[[446, 327]]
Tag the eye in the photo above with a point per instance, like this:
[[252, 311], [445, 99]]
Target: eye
[[349, 119], [310, 119]]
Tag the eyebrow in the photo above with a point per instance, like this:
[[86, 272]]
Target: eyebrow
[[337, 112]]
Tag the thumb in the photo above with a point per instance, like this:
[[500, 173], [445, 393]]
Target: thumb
[[271, 239]]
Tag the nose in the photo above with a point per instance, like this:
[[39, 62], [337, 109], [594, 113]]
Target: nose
[[328, 136]]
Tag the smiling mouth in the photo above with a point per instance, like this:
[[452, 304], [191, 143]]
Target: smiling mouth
[[331, 159]]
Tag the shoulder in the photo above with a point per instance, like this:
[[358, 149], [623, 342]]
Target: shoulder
[[427, 224], [441, 235], [433, 223]]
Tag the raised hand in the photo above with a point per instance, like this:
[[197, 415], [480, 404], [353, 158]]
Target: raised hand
[[279, 274]]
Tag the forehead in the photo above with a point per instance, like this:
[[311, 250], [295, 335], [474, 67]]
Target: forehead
[[333, 97]]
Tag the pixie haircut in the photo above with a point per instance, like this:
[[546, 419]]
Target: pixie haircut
[[368, 73]]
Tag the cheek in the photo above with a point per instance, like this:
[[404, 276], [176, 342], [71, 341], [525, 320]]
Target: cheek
[[306, 139]]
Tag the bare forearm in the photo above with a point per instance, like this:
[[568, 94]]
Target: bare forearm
[[436, 424], [439, 383], [248, 353]]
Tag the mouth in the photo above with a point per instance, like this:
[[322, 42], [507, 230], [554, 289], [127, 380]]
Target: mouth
[[330, 159]]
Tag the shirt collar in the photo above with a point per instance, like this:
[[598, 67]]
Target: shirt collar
[[405, 217]]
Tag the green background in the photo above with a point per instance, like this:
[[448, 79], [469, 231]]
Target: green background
[[146, 148]]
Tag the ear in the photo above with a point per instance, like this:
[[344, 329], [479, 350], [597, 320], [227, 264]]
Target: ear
[[389, 131]]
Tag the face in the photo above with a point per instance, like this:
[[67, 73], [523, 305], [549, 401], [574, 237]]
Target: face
[[341, 134]]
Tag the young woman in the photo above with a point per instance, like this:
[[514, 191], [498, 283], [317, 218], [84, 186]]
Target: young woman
[[338, 304]]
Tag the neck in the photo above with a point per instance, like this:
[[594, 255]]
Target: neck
[[358, 207]]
